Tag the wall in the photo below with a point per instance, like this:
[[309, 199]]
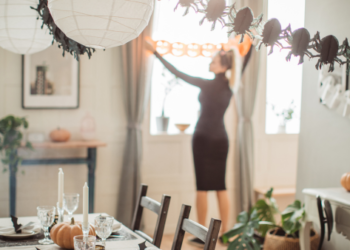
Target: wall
[[100, 95], [325, 136]]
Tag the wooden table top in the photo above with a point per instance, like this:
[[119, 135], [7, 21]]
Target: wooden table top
[[69, 144]]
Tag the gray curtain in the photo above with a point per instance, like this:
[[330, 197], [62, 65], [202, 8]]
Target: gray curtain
[[245, 100], [136, 66]]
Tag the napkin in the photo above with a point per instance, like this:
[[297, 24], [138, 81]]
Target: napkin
[[27, 230], [116, 226]]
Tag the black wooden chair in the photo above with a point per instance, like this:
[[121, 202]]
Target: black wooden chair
[[161, 209], [208, 235]]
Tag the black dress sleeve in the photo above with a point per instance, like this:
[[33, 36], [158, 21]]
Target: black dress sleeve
[[190, 79]]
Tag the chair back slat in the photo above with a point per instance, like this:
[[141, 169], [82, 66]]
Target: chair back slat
[[160, 224], [195, 229], [208, 236], [150, 204], [161, 209], [136, 221], [213, 234]]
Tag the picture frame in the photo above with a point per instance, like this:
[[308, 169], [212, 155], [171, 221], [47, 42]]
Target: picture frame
[[50, 81]]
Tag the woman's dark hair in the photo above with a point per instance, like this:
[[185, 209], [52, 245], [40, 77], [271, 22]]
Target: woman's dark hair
[[226, 58]]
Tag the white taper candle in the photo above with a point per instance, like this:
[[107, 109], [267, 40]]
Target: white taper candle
[[85, 206], [60, 187]]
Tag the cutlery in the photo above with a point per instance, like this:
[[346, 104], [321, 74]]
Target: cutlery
[[27, 225]]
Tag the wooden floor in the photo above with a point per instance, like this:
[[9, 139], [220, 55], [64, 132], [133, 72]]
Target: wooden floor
[[167, 242]]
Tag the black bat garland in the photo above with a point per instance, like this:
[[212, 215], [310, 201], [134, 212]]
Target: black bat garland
[[271, 34]]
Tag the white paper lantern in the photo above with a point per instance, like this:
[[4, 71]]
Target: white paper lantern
[[20, 30], [101, 24]]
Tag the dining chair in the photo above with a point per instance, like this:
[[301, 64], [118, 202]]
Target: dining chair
[[208, 235], [161, 209]]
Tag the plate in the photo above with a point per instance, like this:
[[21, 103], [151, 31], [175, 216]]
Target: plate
[[21, 235]]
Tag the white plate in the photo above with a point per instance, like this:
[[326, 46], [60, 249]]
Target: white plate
[[21, 235]]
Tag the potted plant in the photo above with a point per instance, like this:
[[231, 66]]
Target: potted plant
[[257, 229], [11, 138], [285, 115], [169, 83]]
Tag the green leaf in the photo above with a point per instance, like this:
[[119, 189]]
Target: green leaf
[[243, 217], [269, 193]]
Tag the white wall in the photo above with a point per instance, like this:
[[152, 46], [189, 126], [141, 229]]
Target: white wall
[[100, 94], [324, 140]]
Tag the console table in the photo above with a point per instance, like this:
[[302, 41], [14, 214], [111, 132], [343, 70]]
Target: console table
[[89, 160]]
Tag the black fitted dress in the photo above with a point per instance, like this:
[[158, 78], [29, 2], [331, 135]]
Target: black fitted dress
[[210, 141]]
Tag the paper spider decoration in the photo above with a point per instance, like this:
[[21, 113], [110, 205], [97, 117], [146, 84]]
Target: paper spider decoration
[[242, 22], [188, 4], [214, 10], [64, 42]]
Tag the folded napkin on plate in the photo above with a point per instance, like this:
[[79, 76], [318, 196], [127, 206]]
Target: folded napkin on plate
[[11, 230], [116, 226]]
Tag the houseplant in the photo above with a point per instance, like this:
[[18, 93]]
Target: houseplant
[[169, 82], [257, 227], [10, 139]]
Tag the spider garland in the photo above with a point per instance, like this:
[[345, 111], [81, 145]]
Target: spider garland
[[64, 42], [271, 34]]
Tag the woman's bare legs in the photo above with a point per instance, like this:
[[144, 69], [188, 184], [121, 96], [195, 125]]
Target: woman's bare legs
[[224, 208], [202, 206]]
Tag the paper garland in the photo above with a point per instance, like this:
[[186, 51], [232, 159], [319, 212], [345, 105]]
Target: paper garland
[[205, 50]]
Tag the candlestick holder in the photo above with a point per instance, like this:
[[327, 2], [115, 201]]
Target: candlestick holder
[[85, 229], [60, 211]]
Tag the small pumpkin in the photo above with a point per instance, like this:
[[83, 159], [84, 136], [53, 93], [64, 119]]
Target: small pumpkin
[[60, 135], [345, 181], [63, 233]]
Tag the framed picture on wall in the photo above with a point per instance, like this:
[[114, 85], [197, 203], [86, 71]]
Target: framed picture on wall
[[49, 80]]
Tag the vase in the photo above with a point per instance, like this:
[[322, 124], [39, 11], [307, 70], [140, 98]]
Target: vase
[[88, 128], [162, 123], [282, 127], [275, 240]]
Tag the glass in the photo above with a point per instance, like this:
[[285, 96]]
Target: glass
[[46, 216], [104, 227], [82, 242], [70, 203]]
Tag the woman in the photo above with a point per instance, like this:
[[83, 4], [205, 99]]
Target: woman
[[210, 142]]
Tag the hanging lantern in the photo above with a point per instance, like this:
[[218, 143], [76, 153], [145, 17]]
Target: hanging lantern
[[20, 30], [101, 24]]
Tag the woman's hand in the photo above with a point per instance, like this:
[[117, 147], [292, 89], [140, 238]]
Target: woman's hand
[[149, 46]]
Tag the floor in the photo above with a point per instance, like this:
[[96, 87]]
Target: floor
[[167, 242]]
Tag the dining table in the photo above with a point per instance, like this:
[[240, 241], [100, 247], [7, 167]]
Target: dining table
[[128, 241]]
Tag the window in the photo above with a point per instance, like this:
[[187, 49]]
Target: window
[[284, 78], [181, 105]]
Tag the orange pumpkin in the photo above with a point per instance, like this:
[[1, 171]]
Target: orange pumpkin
[[345, 181], [62, 234], [60, 135]]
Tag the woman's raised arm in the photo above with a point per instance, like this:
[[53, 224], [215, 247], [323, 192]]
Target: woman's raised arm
[[190, 79]]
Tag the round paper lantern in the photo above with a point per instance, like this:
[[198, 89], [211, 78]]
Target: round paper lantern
[[101, 24], [20, 30]]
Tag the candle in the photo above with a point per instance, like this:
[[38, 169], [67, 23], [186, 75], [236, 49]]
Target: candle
[[60, 187], [85, 206]]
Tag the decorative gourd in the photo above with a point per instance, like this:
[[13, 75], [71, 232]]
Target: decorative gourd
[[63, 233], [60, 135], [345, 181]]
